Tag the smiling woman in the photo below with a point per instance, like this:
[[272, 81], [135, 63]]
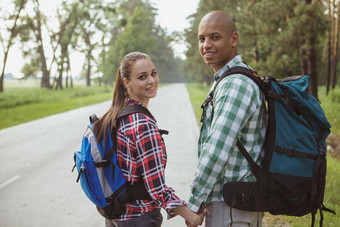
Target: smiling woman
[[143, 82], [141, 152]]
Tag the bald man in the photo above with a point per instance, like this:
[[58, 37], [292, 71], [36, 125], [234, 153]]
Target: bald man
[[239, 114]]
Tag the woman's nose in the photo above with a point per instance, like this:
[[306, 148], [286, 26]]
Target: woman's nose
[[151, 79]]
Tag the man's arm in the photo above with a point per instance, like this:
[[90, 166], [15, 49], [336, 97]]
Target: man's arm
[[233, 103]]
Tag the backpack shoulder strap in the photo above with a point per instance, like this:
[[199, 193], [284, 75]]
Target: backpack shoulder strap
[[130, 109], [233, 70], [252, 75], [244, 71], [93, 118]]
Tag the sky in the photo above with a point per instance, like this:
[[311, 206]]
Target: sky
[[172, 16]]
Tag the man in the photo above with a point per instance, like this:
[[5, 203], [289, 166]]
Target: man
[[239, 114]]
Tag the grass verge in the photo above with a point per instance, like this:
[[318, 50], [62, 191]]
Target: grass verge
[[20, 105]]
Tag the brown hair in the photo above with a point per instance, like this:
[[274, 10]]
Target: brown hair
[[120, 95]]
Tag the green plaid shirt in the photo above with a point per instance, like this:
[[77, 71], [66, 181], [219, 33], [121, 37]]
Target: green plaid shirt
[[239, 113]]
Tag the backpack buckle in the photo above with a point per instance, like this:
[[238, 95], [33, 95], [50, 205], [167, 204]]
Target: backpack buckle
[[102, 163]]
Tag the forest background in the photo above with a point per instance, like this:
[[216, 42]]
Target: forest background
[[281, 38], [276, 37]]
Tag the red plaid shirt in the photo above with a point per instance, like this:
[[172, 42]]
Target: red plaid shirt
[[141, 153]]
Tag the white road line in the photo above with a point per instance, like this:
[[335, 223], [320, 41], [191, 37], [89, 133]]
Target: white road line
[[9, 181]]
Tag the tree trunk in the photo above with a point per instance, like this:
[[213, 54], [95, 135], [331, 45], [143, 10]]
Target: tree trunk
[[329, 47], [312, 68], [88, 73], [45, 79], [69, 70], [61, 67], [9, 44], [335, 50], [329, 60]]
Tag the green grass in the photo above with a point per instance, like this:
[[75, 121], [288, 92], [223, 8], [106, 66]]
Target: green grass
[[331, 107], [20, 105], [198, 93]]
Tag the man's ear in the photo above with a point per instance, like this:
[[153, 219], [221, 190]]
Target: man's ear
[[234, 37]]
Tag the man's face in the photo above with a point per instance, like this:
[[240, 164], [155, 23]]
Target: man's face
[[217, 43]]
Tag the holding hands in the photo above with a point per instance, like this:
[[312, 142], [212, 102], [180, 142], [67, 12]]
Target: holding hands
[[192, 219], [198, 220]]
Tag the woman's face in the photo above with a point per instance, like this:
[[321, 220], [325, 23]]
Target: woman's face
[[143, 83]]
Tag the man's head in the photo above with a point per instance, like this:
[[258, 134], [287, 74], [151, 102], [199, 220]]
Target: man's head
[[218, 38]]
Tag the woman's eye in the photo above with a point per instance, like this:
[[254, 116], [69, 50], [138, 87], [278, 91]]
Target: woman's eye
[[142, 77], [154, 74]]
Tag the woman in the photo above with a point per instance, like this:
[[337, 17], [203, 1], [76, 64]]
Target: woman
[[141, 152]]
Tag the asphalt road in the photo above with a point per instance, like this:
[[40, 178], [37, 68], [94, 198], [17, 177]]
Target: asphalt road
[[37, 187]]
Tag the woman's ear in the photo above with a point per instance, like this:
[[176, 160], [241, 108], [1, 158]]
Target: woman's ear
[[126, 83]]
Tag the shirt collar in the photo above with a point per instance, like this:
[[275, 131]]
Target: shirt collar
[[236, 60]]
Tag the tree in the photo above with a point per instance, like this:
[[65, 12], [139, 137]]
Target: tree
[[19, 5], [276, 37], [64, 38], [99, 20], [32, 25], [332, 42]]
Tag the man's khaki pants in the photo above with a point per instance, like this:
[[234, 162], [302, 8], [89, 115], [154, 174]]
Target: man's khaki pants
[[218, 215]]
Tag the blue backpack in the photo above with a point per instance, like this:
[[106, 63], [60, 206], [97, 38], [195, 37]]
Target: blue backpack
[[100, 176], [291, 179]]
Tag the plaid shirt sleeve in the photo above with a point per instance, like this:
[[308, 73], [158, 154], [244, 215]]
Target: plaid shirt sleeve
[[234, 101]]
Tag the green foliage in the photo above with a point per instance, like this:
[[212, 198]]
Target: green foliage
[[274, 35], [141, 34], [19, 105]]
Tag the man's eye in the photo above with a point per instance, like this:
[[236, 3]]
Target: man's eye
[[215, 37], [201, 39]]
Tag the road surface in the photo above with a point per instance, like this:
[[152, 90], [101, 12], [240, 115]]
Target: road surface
[[37, 187]]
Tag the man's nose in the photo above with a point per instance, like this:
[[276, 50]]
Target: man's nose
[[207, 43]]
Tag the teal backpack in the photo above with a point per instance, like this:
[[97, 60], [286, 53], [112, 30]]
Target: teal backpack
[[291, 179]]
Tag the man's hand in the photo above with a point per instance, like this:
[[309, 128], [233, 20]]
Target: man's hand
[[198, 220]]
